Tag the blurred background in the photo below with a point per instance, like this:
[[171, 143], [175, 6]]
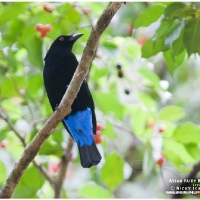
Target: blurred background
[[147, 112]]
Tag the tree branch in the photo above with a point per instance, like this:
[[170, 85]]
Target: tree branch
[[12, 127], [7, 120], [63, 167], [64, 108]]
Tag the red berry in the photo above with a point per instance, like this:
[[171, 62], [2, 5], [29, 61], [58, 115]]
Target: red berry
[[99, 127], [161, 160], [98, 139], [86, 11], [48, 8], [53, 168], [142, 40], [43, 29], [39, 27], [161, 128], [3, 144], [47, 27], [43, 33]]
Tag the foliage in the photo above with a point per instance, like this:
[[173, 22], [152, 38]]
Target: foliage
[[144, 113]]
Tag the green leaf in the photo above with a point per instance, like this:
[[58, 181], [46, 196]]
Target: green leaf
[[176, 152], [152, 47], [109, 130], [97, 72], [173, 33], [34, 47], [34, 84], [150, 15], [171, 113], [147, 100], [47, 192], [152, 77], [108, 103], [57, 136], [109, 45], [46, 109], [51, 148], [94, 192], [112, 171], [191, 35], [11, 86], [11, 12], [11, 61], [15, 27], [185, 12], [139, 119], [29, 184], [163, 28], [193, 150], [3, 173], [3, 133], [45, 18], [173, 157], [131, 48], [187, 133], [177, 45], [171, 8], [170, 60], [12, 108], [180, 58]]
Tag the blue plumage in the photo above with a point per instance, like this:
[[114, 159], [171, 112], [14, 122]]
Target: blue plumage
[[80, 126]]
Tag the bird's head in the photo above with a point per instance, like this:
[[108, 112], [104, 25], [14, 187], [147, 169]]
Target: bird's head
[[66, 41]]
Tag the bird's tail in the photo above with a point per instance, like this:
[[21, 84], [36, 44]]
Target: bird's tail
[[89, 155], [80, 127]]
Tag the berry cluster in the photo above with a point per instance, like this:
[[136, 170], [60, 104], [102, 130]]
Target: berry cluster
[[43, 29], [97, 137]]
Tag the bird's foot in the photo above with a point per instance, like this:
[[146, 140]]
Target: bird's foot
[[56, 108]]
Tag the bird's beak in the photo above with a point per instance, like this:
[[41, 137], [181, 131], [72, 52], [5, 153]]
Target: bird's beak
[[75, 36]]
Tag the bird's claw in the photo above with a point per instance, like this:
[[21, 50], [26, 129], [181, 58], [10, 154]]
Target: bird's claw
[[56, 108]]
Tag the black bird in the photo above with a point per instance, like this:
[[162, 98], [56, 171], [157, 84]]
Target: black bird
[[60, 65]]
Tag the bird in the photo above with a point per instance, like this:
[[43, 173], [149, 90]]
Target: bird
[[59, 67]]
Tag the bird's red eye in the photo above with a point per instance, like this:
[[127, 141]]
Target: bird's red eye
[[61, 38]]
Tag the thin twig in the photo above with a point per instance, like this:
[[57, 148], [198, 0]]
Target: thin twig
[[12, 127], [7, 120], [63, 168], [46, 174]]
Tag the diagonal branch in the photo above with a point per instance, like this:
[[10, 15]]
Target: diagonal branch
[[64, 108], [42, 169]]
